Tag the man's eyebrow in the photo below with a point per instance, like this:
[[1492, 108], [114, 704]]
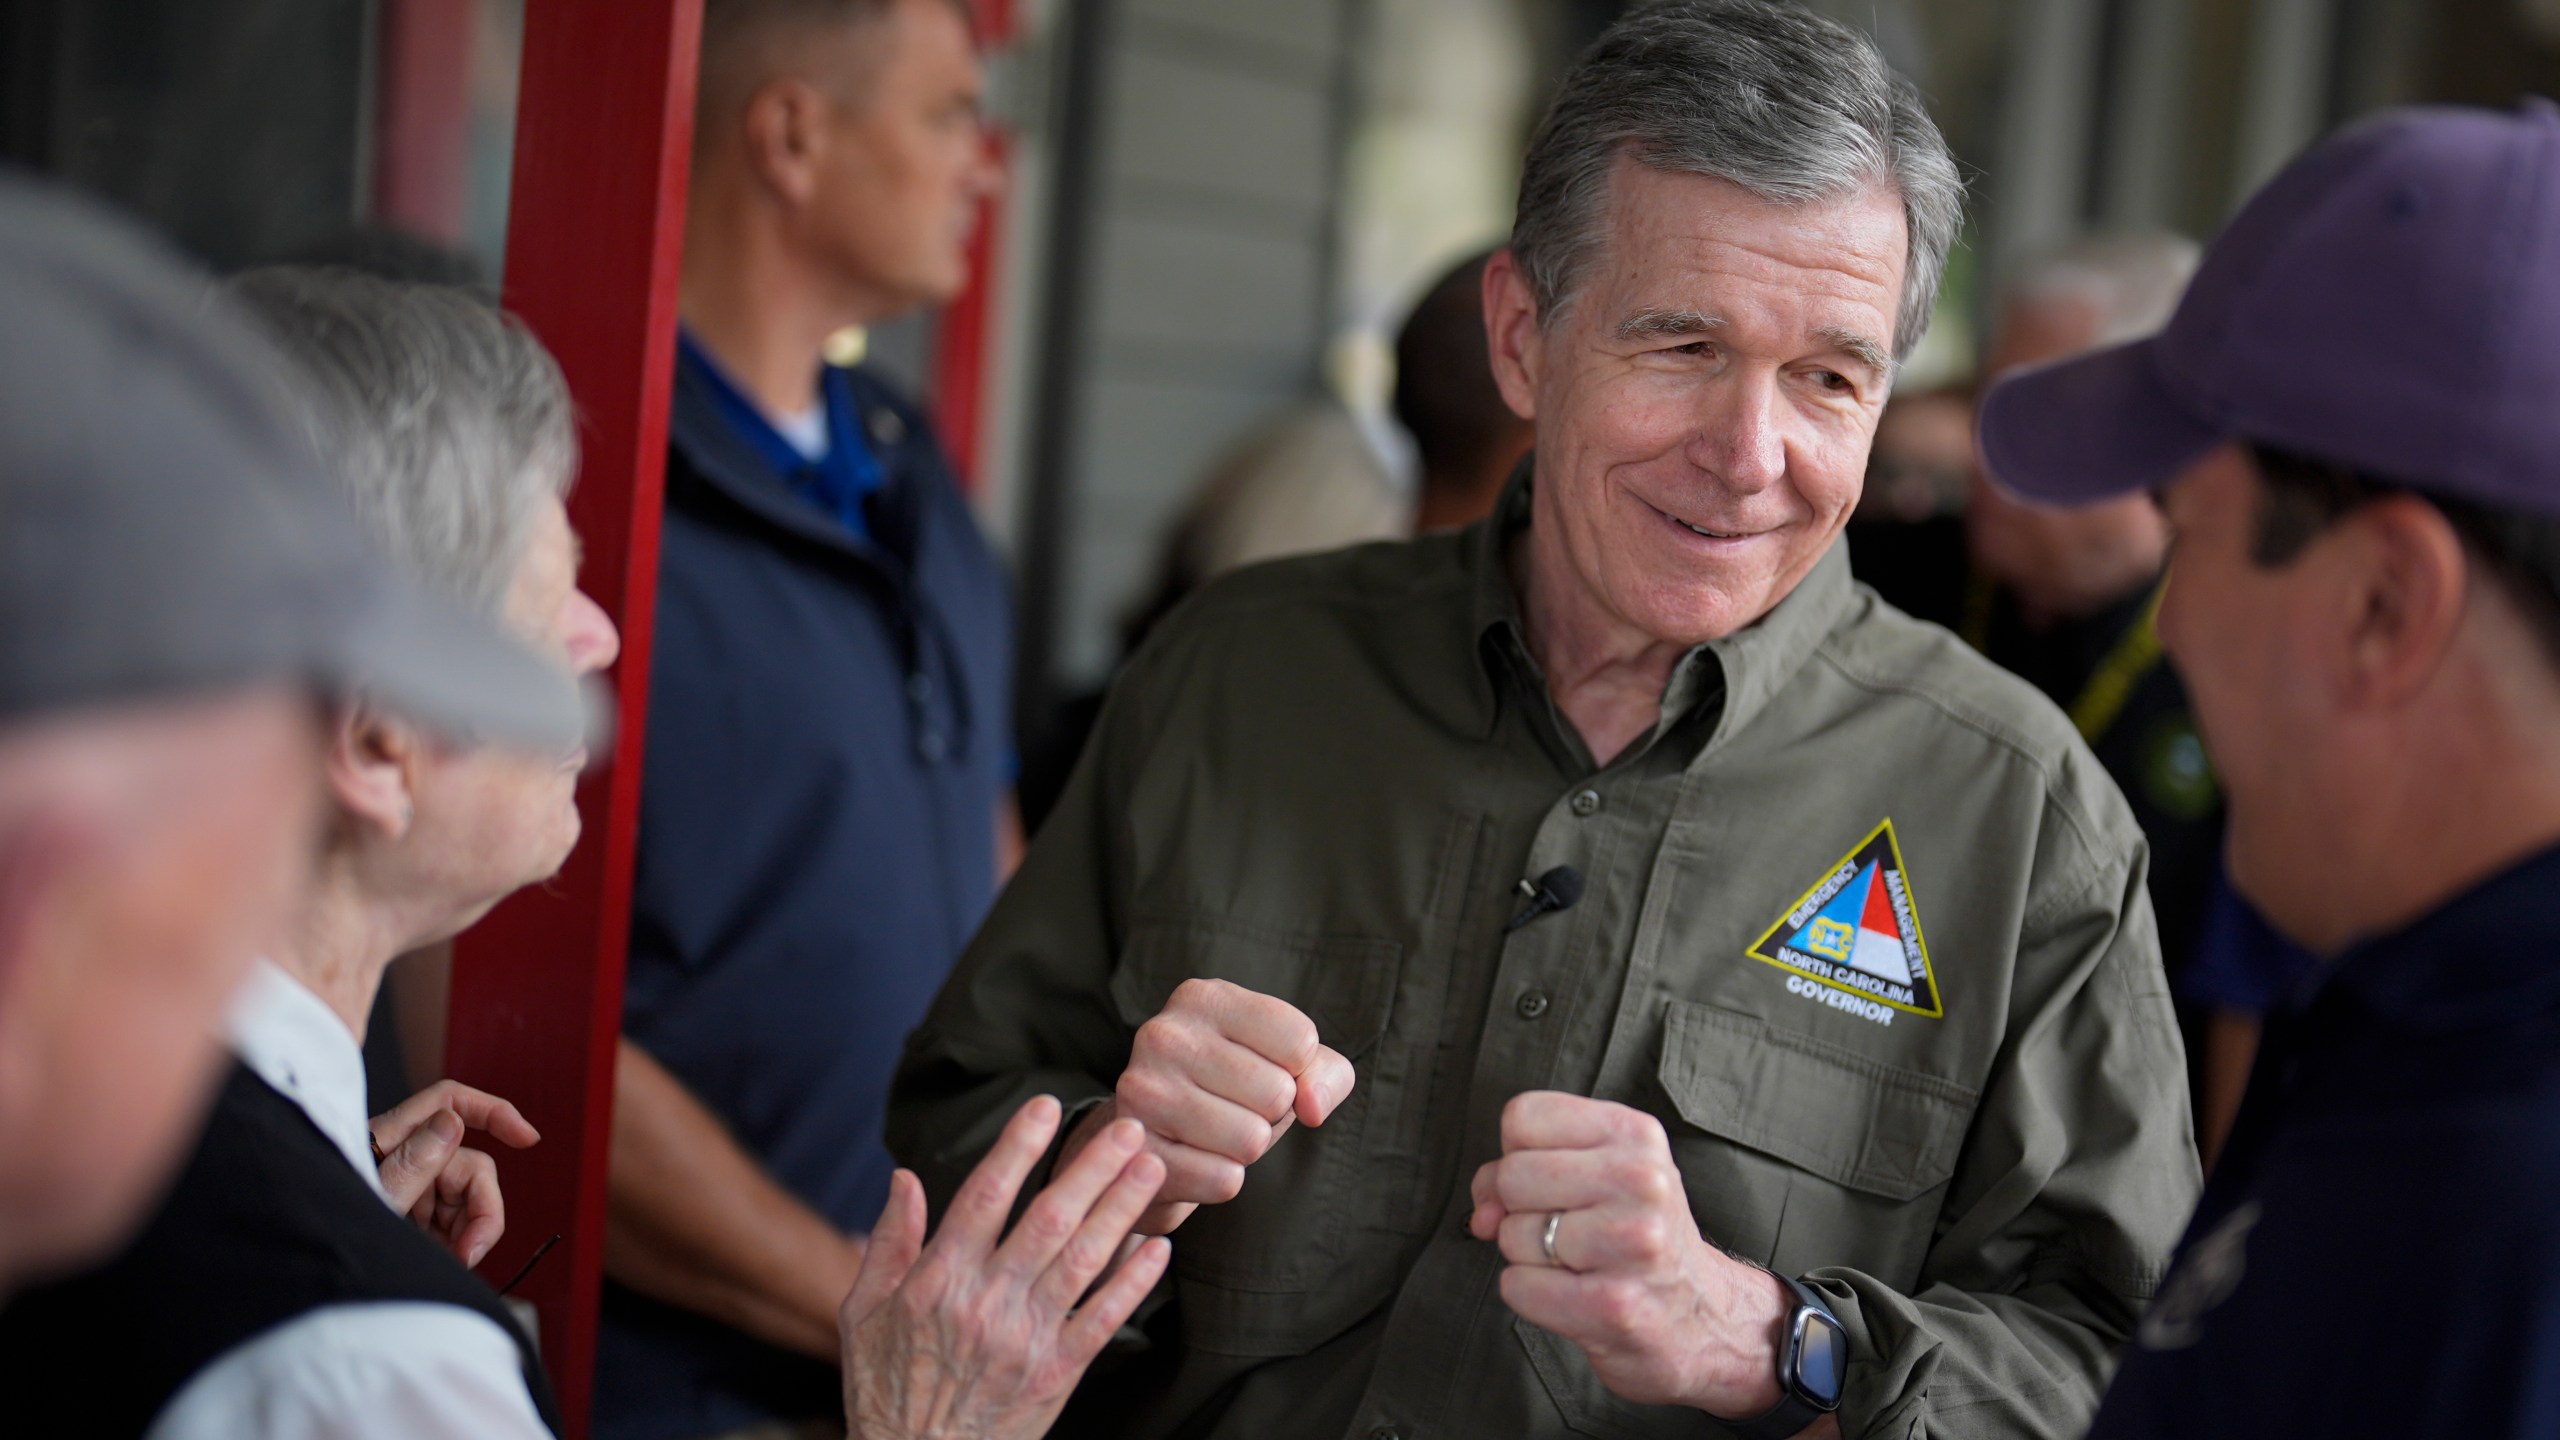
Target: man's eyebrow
[[1874, 356], [1667, 324]]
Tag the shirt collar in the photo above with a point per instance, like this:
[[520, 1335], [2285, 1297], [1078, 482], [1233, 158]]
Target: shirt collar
[[699, 426], [292, 1040], [741, 414], [1746, 669], [2476, 959]]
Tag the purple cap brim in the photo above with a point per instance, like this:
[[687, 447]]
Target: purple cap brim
[[2090, 427]]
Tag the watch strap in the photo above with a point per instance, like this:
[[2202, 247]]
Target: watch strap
[[1793, 1412]]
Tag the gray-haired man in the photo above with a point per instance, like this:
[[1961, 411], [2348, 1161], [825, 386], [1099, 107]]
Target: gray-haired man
[[1825, 1023]]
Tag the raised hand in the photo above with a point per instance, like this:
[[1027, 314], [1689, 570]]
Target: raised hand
[[982, 1337], [450, 1189]]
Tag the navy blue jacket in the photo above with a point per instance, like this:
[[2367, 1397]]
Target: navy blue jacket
[[828, 731], [2378, 1252]]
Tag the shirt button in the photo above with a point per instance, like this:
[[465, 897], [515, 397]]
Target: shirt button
[[920, 688], [1531, 1004], [1586, 802], [1386, 1432], [932, 747]]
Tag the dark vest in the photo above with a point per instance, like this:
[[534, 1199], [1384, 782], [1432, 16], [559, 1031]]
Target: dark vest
[[266, 1224]]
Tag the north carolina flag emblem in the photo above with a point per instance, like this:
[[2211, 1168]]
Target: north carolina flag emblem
[[1856, 932]]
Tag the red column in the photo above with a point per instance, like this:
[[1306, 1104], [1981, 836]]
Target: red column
[[604, 128]]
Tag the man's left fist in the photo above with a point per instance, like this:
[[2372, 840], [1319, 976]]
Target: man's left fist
[[1665, 1317]]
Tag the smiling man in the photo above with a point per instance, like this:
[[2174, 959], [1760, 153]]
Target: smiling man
[[1602, 972]]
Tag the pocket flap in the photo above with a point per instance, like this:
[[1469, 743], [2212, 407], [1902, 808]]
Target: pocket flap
[[1821, 1108], [1345, 983]]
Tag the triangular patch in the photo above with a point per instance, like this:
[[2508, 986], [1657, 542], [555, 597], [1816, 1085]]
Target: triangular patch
[[1856, 931]]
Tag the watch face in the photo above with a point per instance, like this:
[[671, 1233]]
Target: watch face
[[1822, 1358]]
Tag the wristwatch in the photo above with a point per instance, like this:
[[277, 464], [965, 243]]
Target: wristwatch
[[1812, 1367]]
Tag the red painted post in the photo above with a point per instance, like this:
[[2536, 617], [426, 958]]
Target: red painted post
[[604, 129]]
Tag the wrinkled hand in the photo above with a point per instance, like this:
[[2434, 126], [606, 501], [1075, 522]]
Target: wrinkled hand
[[1216, 1079], [1665, 1317], [433, 1178], [968, 1339]]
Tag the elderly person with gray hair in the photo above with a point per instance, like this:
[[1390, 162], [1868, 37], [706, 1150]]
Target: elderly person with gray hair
[[277, 1293], [180, 597], [1602, 972]]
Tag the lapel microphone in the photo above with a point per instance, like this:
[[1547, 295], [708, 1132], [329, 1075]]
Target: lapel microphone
[[1555, 890]]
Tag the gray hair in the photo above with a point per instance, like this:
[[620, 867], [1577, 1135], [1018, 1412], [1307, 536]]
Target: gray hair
[[1781, 102], [443, 419], [2133, 280]]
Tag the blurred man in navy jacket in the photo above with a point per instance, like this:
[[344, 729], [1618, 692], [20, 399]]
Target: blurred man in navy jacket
[[828, 716]]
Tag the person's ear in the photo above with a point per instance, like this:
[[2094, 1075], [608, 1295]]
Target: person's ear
[[1511, 332], [372, 771], [786, 133], [2407, 575]]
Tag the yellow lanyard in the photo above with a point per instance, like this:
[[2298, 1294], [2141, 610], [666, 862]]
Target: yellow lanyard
[[2112, 683], [2102, 700]]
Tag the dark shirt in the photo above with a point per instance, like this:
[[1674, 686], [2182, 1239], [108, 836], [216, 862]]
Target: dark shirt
[[2242, 965], [828, 725], [2376, 1253], [266, 1224]]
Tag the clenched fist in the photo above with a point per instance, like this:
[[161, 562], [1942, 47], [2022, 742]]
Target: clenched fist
[[1215, 1079], [1588, 1208]]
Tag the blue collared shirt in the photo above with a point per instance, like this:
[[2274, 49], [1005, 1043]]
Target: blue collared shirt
[[2378, 1252], [840, 481]]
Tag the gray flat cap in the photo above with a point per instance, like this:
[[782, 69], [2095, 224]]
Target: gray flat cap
[[164, 527]]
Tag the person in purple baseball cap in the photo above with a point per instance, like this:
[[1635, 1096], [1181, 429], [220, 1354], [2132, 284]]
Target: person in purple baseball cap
[[2353, 423]]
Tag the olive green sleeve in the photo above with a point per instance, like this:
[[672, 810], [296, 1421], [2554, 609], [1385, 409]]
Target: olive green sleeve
[[2077, 1177], [1028, 1009]]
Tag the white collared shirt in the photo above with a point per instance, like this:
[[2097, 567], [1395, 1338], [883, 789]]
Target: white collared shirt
[[387, 1370]]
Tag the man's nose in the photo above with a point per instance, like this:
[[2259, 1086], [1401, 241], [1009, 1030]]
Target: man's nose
[[1741, 438]]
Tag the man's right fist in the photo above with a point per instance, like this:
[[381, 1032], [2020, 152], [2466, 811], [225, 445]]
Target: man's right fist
[[1215, 1079]]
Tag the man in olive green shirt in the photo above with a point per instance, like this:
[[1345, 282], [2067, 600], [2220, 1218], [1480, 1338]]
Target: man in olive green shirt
[[1859, 987]]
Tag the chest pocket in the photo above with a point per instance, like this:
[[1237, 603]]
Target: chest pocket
[[1880, 1129], [1863, 1149], [1796, 1154], [1285, 1234]]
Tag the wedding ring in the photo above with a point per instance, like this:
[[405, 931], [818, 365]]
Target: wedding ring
[[1547, 1238]]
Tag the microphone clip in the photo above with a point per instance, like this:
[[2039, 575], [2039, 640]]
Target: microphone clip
[[1558, 889]]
